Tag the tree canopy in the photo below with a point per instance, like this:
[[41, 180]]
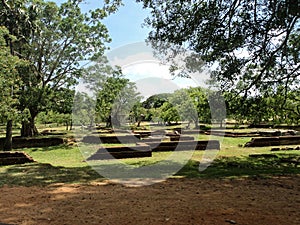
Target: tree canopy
[[252, 44], [58, 40]]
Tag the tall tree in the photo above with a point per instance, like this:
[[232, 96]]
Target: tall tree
[[9, 85], [185, 106], [83, 111], [199, 97], [254, 44], [115, 100], [169, 113], [62, 104], [64, 38], [18, 18]]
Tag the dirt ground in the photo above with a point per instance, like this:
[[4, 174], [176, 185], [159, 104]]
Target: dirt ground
[[175, 201]]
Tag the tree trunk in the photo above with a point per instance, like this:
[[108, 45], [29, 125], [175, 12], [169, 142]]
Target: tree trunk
[[115, 121], [28, 127], [71, 125], [196, 123], [8, 139], [108, 122]]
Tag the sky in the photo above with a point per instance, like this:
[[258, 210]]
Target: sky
[[128, 37], [125, 26]]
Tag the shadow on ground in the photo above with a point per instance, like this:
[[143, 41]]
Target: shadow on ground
[[42, 174], [266, 165]]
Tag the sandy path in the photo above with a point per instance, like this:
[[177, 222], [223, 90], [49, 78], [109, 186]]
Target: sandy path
[[176, 201]]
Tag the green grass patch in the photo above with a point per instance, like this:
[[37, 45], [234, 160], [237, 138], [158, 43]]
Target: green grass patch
[[233, 167], [41, 174], [66, 164]]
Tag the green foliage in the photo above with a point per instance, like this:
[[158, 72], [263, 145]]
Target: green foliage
[[169, 113], [254, 45], [137, 114], [116, 98], [55, 40], [9, 79], [152, 106], [83, 111], [184, 106], [115, 101], [199, 97], [274, 106], [156, 101], [191, 104]]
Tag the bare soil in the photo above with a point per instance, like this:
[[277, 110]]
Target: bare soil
[[175, 201]]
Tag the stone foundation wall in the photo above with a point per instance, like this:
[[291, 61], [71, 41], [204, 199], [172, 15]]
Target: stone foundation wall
[[11, 158], [111, 139], [19, 142], [273, 141]]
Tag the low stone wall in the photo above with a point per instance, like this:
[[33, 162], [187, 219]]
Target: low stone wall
[[120, 152], [111, 139], [19, 142], [146, 149], [285, 149], [147, 133], [185, 131], [142, 133], [286, 127], [168, 138], [11, 158], [181, 138], [273, 141], [184, 145]]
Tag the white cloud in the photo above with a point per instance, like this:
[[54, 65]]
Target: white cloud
[[144, 69], [155, 78]]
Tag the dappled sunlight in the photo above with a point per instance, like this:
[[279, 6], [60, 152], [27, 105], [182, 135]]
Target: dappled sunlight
[[45, 174]]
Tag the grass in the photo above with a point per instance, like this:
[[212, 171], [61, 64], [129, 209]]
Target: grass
[[66, 164], [233, 167]]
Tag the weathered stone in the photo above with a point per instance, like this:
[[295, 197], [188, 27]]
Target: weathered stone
[[19, 142], [273, 141], [11, 158], [120, 152], [111, 139], [184, 145]]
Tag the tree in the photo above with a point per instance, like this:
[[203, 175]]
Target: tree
[[273, 106], [252, 44], [115, 100], [169, 113], [83, 111], [137, 113], [62, 105], [152, 105], [184, 106], [9, 86], [20, 26], [115, 96], [156, 101], [63, 39], [199, 97], [66, 38]]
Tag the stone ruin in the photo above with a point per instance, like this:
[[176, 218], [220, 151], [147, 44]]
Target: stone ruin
[[11, 158], [146, 142], [273, 141]]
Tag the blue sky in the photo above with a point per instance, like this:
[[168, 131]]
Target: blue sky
[[125, 26], [125, 29]]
